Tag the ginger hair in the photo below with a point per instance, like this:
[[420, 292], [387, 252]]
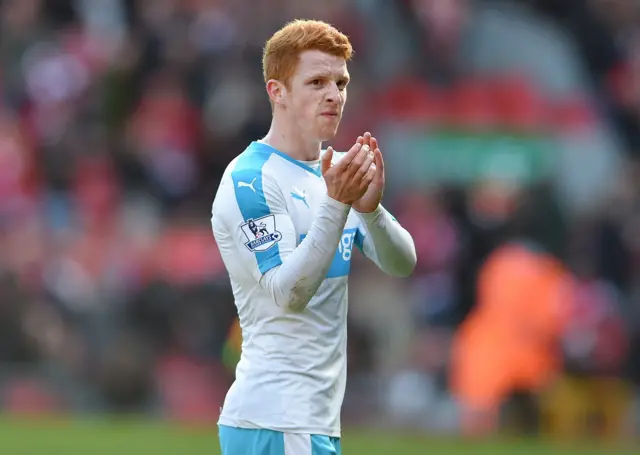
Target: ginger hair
[[282, 50]]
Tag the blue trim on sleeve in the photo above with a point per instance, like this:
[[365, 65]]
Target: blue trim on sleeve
[[253, 204]]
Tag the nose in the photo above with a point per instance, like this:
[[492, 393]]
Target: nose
[[333, 93]]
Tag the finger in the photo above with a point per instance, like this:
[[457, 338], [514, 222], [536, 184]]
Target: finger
[[379, 161], [366, 165], [368, 178], [326, 160], [360, 140], [358, 160], [373, 143], [371, 174], [367, 139], [346, 160]]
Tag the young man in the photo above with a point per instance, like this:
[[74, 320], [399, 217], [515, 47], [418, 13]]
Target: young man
[[286, 218]]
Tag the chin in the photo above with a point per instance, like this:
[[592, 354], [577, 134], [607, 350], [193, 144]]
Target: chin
[[327, 134], [326, 137]]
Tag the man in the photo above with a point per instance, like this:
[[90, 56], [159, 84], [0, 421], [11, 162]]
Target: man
[[290, 277]]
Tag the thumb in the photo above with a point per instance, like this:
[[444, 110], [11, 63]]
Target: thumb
[[326, 160]]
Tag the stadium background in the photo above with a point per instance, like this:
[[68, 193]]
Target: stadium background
[[499, 120]]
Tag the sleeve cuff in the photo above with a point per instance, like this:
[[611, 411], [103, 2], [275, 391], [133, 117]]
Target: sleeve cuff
[[337, 206], [371, 217]]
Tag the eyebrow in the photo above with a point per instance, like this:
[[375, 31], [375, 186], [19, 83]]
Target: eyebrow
[[326, 75]]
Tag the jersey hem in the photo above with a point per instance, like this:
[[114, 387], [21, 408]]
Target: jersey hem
[[244, 424]]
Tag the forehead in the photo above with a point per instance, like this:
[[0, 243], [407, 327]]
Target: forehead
[[318, 63]]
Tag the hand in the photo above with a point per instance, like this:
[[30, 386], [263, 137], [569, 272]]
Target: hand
[[372, 197], [349, 179]]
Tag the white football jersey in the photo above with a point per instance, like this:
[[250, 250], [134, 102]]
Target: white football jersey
[[287, 247], [292, 372]]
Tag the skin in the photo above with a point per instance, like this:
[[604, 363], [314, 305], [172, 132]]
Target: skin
[[307, 111], [370, 200]]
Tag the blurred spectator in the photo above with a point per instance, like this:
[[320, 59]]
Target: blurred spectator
[[509, 346]]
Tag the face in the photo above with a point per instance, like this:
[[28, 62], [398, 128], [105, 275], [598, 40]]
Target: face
[[316, 95]]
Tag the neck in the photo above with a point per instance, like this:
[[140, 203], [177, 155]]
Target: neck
[[283, 136]]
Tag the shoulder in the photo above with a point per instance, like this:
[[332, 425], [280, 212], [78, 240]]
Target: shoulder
[[250, 183], [243, 179], [252, 163], [254, 169]]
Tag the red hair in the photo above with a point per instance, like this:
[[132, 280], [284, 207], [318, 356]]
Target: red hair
[[282, 50]]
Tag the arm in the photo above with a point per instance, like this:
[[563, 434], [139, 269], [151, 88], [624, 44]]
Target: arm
[[290, 273], [295, 281], [382, 239], [387, 243]]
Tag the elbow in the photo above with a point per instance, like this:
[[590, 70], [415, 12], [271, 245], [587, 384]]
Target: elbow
[[294, 306], [298, 298], [406, 269], [290, 298], [406, 259], [405, 265], [291, 304]]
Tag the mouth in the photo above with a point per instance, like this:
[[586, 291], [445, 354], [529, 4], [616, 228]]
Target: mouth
[[330, 114]]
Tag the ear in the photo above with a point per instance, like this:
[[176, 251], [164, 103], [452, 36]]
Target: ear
[[277, 92]]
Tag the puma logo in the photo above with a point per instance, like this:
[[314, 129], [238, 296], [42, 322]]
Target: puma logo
[[300, 195], [247, 185]]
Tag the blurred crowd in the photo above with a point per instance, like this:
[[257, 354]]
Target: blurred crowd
[[512, 136]]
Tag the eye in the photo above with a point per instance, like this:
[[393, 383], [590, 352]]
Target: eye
[[342, 84], [315, 82]]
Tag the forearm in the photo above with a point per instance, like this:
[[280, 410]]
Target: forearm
[[388, 244], [297, 279]]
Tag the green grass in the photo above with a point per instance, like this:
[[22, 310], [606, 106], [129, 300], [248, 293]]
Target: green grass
[[129, 438]]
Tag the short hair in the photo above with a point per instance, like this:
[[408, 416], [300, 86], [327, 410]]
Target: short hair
[[283, 49]]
